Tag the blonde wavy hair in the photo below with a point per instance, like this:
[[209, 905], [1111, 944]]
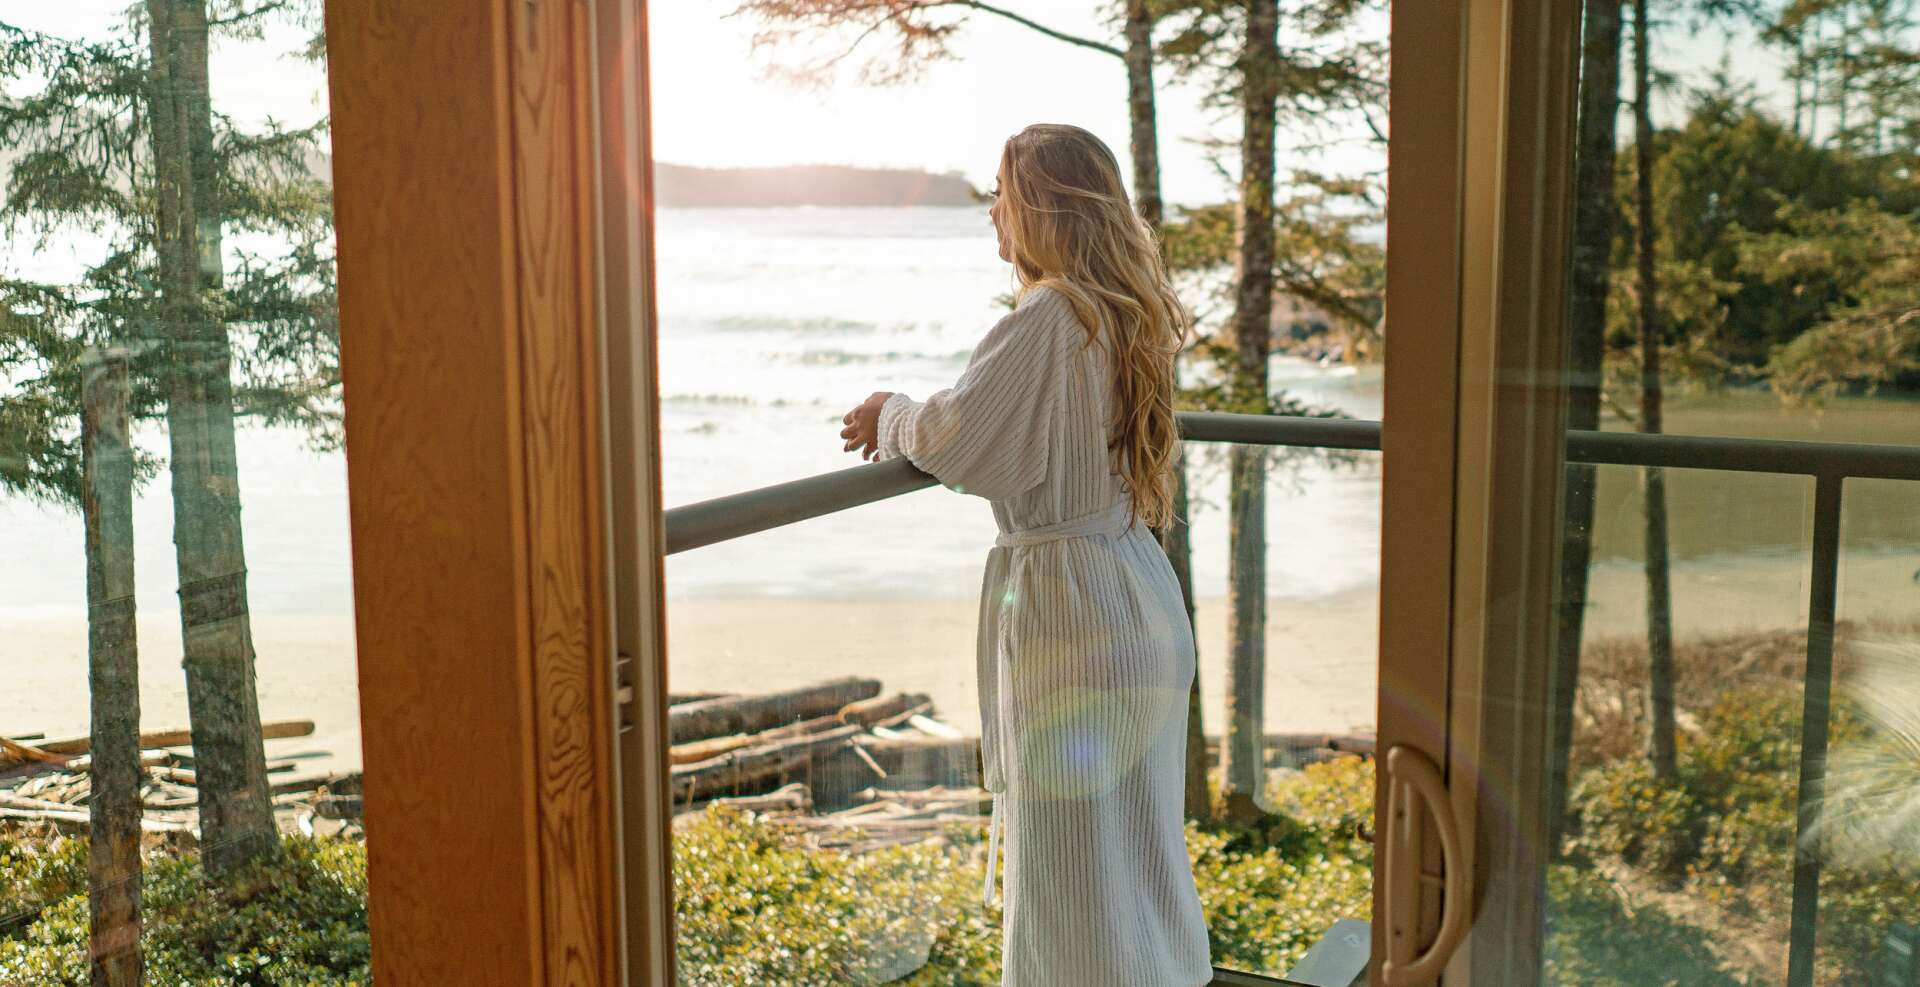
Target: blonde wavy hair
[[1071, 228]]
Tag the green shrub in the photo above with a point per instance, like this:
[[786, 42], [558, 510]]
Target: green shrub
[[296, 918], [1746, 859], [34, 875], [1729, 825], [1265, 909], [1621, 810], [1334, 799], [1747, 747], [755, 906]]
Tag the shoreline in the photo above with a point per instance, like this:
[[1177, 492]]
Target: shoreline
[[1322, 673]]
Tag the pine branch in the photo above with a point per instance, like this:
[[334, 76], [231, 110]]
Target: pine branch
[[1057, 35]]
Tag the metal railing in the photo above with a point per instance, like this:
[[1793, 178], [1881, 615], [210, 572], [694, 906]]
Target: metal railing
[[1829, 464], [738, 515]]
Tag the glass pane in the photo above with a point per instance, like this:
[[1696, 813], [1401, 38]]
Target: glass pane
[[181, 788], [788, 293], [1741, 267]]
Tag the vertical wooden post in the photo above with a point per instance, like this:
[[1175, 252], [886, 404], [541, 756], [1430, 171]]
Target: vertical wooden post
[[1418, 442], [470, 253]]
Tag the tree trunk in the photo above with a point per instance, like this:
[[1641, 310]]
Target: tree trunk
[[1586, 328], [1142, 120], [113, 673], [1813, 78], [1799, 78], [1843, 78], [1176, 539], [1659, 593], [1144, 136], [236, 818], [1247, 465]]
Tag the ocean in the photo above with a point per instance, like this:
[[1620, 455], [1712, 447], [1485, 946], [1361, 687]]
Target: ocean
[[774, 322]]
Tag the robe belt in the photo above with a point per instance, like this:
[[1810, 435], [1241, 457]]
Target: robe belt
[[999, 595]]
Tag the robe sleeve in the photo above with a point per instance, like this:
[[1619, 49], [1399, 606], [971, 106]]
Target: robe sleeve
[[988, 434]]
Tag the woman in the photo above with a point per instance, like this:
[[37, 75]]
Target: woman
[[1064, 420]]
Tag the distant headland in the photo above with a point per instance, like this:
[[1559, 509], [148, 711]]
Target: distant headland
[[680, 186]]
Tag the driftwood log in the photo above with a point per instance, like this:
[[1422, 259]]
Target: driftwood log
[[701, 750], [795, 797], [27, 752], [84, 762], [868, 712], [181, 738], [920, 760], [75, 820], [879, 711], [740, 768], [937, 795], [751, 714], [682, 698], [770, 758]]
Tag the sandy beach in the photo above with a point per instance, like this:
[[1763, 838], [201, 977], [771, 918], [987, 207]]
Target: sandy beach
[[305, 667], [1321, 652]]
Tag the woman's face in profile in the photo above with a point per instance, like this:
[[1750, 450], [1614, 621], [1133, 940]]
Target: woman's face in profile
[[998, 210]]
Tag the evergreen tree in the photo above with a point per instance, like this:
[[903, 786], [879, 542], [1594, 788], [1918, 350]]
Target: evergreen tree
[[1243, 749], [118, 139], [68, 365], [1236, 48], [1592, 254], [1659, 594], [1870, 335]]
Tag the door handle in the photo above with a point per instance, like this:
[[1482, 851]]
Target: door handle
[[1412, 781]]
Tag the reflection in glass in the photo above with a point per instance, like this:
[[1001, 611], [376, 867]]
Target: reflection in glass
[[1741, 267], [179, 793]]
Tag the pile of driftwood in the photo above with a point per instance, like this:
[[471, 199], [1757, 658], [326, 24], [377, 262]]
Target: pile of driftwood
[[837, 760], [852, 767], [49, 782]]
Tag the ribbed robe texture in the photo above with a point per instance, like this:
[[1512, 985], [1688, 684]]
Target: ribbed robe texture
[[1085, 658]]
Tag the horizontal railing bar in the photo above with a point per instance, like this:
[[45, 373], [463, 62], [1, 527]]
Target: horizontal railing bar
[[736, 515], [1280, 430], [1789, 456]]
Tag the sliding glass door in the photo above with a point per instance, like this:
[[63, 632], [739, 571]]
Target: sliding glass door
[[1674, 658]]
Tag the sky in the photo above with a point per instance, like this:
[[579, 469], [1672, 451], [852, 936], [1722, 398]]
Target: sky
[[717, 102]]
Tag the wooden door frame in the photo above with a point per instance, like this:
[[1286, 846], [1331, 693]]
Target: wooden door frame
[[478, 183], [1417, 441], [1483, 119]]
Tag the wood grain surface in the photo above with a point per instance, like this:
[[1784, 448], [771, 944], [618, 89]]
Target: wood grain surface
[[461, 156], [554, 239]]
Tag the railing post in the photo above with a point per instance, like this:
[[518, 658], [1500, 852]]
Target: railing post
[[1815, 716]]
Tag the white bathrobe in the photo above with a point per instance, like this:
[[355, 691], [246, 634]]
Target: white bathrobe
[[1085, 660]]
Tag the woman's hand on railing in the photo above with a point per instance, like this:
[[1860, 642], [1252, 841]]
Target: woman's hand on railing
[[863, 426]]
